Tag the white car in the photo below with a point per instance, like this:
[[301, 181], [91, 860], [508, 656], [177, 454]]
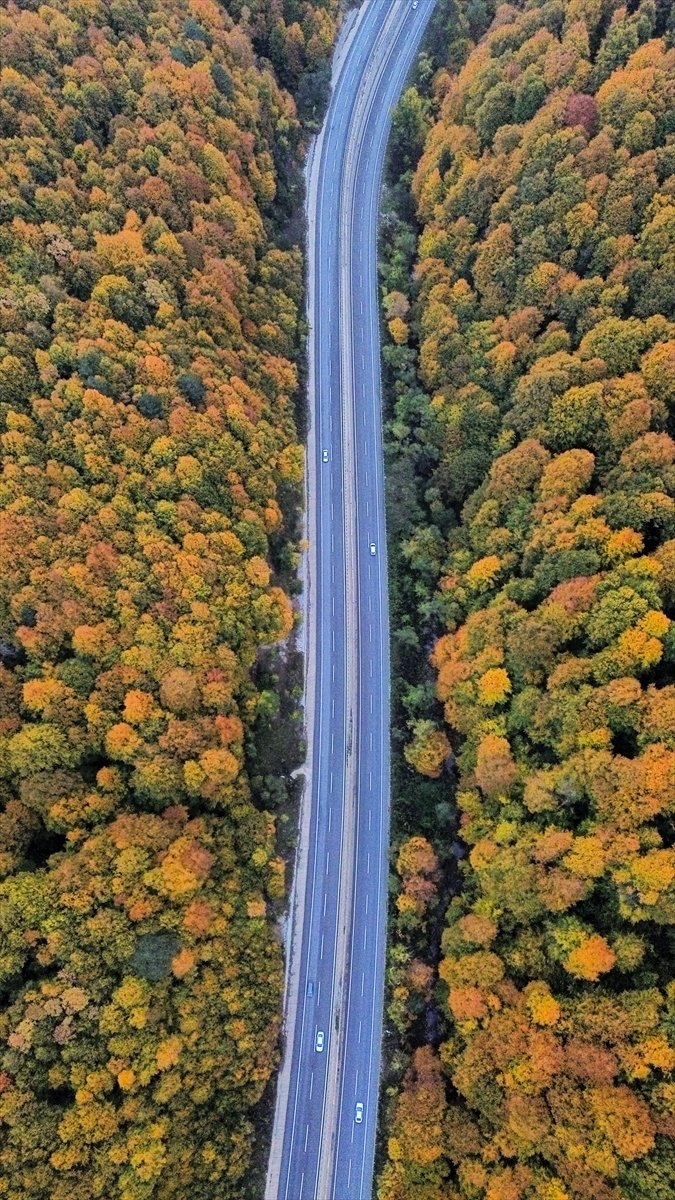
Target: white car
[[358, 1115], [325, 456], [320, 1040], [414, 4], [373, 548]]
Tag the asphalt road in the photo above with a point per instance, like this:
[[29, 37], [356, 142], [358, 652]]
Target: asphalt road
[[335, 976]]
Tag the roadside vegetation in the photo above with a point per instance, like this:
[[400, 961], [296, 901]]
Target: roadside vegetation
[[528, 285], [150, 342]]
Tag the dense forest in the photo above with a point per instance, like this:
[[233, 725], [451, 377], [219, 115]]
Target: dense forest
[[528, 272], [150, 343]]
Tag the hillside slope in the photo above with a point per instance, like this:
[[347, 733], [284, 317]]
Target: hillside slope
[[531, 365]]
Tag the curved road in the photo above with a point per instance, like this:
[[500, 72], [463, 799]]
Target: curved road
[[335, 974]]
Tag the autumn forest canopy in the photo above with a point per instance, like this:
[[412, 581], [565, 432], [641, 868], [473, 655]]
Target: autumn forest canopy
[[150, 333], [529, 297], [151, 427]]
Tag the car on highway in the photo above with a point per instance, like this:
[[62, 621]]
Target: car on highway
[[358, 1115], [320, 1040], [325, 456], [310, 989], [373, 548]]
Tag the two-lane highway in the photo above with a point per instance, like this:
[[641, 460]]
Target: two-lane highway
[[323, 1141]]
